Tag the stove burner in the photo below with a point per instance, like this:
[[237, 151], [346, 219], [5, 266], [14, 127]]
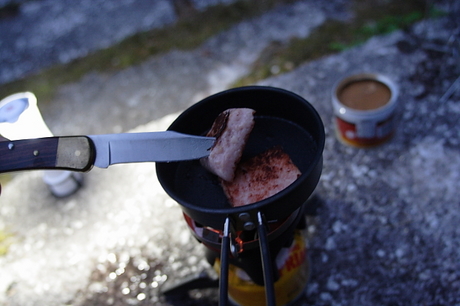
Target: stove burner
[[242, 240]]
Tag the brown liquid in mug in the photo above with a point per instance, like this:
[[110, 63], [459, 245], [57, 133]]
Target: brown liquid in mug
[[365, 95]]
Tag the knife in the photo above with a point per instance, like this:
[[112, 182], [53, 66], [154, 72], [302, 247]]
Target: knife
[[80, 153]]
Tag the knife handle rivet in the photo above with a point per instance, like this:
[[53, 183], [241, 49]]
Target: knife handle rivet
[[36, 152], [11, 146], [77, 153]]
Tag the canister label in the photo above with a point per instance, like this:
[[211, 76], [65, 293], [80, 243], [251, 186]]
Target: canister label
[[365, 133], [293, 268]]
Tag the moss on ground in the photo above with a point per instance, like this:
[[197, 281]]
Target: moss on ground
[[188, 33], [370, 18]]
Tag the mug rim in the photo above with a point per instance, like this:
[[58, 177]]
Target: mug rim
[[381, 112]]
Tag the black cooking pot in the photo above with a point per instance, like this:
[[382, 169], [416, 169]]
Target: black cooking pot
[[283, 119]]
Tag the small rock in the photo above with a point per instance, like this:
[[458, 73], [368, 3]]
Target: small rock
[[332, 285], [325, 296], [330, 244]]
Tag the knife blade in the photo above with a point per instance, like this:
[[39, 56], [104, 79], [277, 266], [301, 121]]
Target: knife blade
[[81, 153]]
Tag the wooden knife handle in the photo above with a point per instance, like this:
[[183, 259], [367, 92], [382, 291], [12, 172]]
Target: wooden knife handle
[[74, 153]]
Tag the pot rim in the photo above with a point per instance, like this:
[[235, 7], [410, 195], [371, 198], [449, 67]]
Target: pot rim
[[256, 206]]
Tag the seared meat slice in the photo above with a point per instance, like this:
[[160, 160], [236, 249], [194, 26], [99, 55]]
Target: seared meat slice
[[231, 129], [261, 177]]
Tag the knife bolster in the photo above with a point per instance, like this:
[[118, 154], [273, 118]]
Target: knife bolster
[[75, 153]]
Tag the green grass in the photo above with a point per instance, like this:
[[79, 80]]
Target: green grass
[[185, 34], [372, 17]]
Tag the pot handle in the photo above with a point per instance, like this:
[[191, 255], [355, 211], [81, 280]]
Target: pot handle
[[267, 267], [224, 263]]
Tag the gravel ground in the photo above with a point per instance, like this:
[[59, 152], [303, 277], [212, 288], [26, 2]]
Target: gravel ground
[[386, 231], [385, 228]]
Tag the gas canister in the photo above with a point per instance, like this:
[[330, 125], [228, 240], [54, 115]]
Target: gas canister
[[293, 269]]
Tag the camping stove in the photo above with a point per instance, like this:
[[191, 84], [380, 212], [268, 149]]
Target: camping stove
[[258, 250], [266, 261]]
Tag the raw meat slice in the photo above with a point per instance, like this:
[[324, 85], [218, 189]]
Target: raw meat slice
[[231, 128], [260, 177]]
